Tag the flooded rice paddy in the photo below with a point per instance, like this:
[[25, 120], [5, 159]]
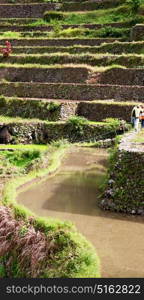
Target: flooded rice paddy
[[72, 194]]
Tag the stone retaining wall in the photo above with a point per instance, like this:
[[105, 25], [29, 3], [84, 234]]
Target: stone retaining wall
[[115, 48], [130, 61], [100, 111], [30, 109], [43, 133], [120, 76], [93, 5], [58, 42], [137, 32], [63, 74], [53, 111], [72, 91], [125, 191], [25, 11], [19, 28]]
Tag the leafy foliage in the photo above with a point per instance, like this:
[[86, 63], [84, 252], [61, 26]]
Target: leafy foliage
[[53, 15], [134, 4]]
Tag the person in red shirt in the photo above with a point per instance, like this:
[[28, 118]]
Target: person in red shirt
[[7, 50]]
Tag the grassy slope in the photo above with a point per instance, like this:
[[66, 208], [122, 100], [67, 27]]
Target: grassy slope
[[85, 262], [102, 16], [73, 60]]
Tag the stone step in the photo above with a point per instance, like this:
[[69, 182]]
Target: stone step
[[26, 27], [17, 21], [114, 48], [101, 110], [90, 5], [40, 132], [25, 10], [58, 42], [48, 35], [73, 91], [72, 74], [48, 109], [67, 74], [137, 32], [119, 76], [100, 60]]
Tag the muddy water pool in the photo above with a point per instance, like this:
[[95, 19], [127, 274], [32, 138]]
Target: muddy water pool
[[72, 194]]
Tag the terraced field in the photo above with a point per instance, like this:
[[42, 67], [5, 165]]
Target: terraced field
[[57, 59], [83, 58]]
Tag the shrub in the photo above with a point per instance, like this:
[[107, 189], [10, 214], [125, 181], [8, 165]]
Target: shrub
[[76, 124], [57, 29], [108, 32], [23, 157], [72, 32], [76, 121], [53, 15], [134, 4]]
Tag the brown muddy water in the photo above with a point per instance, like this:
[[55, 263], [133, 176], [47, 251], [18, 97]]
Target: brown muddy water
[[72, 194]]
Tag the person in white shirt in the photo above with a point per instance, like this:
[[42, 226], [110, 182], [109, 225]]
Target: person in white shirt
[[135, 115]]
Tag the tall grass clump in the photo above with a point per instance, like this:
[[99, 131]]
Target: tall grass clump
[[134, 5], [28, 252], [53, 15]]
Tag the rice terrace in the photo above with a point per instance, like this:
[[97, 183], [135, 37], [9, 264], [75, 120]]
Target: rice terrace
[[71, 138]]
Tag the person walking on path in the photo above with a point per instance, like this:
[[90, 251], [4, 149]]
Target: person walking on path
[[142, 117], [135, 115]]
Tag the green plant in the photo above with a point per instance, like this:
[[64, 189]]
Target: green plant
[[59, 143], [21, 158], [53, 15], [135, 5], [23, 230], [75, 125], [2, 270], [112, 121], [112, 32], [57, 28]]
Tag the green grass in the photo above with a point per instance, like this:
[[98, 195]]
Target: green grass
[[86, 262], [39, 66], [21, 158], [16, 162], [102, 16], [116, 47], [121, 13], [31, 109], [11, 187], [22, 147], [56, 66], [105, 59], [7, 120], [81, 32]]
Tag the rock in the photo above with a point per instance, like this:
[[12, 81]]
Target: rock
[[110, 182], [109, 193]]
